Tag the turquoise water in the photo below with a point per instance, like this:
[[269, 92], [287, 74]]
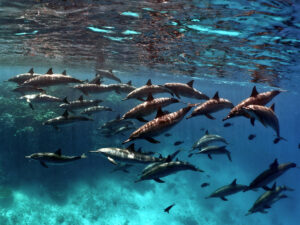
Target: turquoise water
[[224, 46]]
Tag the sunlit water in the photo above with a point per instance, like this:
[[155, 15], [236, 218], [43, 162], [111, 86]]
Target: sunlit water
[[224, 46]]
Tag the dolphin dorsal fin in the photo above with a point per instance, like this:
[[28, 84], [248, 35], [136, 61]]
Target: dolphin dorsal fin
[[274, 165], [159, 113], [131, 147], [190, 83], [216, 96], [65, 100], [65, 114], [64, 72], [160, 156], [129, 82], [273, 107], [110, 70], [97, 81], [169, 158], [206, 132], [49, 71], [118, 117], [233, 182], [80, 98], [139, 150], [254, 92], [150, 98], [149, 82], [31, 71], [58, 152]]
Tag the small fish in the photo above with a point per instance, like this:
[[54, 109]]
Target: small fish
[[169, 135], [205, 185], [251, 136], [178, 143], [228, 124], [167, 210]]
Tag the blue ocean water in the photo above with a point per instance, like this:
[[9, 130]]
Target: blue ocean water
[[224, 46]]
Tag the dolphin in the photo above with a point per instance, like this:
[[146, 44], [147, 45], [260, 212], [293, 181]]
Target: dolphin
[[210, 106], [122, 167], [95, 109], [254, 99], [130, 155], [274, 171], [141, 92], [122, 87], [115, 124], [214, 150], [267, 199], [21, 78], [161, 123], [123, 129], [55, 158], [107, 74], [149, 106], [50, 79], [41, 98], [226, 190], [266, 116], [208, 139], [155, 171], [65, 119], [28, 89], [79, 104], [186, 90]]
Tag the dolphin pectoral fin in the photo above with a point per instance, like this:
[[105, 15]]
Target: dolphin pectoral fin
[[229, 156], [209, 116], [266, 188], [141, 99], [112, 160], [267, 207], [190, 155], [252, 120], [152, 140], [56, 128], [43, 164], [31, 106], [209, 156], [224, 199], [276, 140], [141, 119], [176, 94], [158, 180], [264, 212]]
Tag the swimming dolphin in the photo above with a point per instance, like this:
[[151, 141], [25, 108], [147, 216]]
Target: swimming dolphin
[[55, 158], [122, 87], [141, 92], [274, 171], [149, 106], [210, 106], [107, 74], [50, 79], [207, 139], [95, 109], [266, 116], [28, 90], [214, 150], [122, 167], [130, 155], [21, 78], [155, 171], [186, 90], [115, 124], [160, 124], [226, 190], [79, 104], [41, 98], [267, 199], [65, 119], [255, 99], [88, 88]]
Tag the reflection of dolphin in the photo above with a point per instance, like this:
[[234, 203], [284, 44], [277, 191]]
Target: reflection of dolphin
[[255, 99], [55, 158]]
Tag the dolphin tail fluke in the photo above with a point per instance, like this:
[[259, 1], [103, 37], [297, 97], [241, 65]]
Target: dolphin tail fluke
[[276, 140]]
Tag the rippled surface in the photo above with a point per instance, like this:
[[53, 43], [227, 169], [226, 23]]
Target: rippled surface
[[252, 40]]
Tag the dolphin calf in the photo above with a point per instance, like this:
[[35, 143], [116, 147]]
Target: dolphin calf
[[95, 109], [207, 139], [274, 171], [50, 79], [141, 92], [21, 78], [130, 155], [226, 190], [55, 158], [266, 116], [214, 150], [149, 106], [107, 74], [210, 106], [186, 90], [41, 98], [267, 199], [161, 123], [155, 171], [65, 119], [79, 104], [254, 99]]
